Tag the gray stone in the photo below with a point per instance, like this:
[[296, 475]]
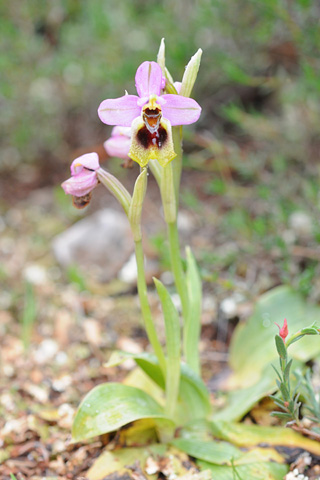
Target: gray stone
[[100, 243]]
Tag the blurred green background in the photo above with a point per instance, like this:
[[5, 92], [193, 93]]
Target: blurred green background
[[259, 84], [61, 58]]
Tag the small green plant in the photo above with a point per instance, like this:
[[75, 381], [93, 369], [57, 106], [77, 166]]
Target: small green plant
[[310, 397], [288, 399], [29, 314]]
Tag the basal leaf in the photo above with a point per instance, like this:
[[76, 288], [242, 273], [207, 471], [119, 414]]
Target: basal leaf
[[193, 397], [250, 471], [244, 435], [239, 402], [211, 451], [110, 462], [110, 406], [256, 464]]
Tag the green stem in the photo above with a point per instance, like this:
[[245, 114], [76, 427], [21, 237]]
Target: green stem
[[145, 307], [177, 162], [176, 265]]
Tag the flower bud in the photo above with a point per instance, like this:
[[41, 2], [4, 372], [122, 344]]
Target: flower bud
[[283, 331], [190, 74], [161, 57], [135, 210]]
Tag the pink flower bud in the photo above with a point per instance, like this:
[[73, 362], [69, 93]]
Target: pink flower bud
[[283, 331], [83, 175], [118, 145]]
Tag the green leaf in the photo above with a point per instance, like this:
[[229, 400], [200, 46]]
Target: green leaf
[[193, 320], [285, 392], [239, 402], [281, 348], [194, 401], [252, 345], [286, 373], [283, 415], [211, 451], [277, 372], [116, 462], [173, 342], [249, 471], [310, 331], [244, 435], [110, 406], [277, 401]]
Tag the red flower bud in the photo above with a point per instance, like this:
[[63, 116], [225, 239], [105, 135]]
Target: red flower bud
[[283, 331]]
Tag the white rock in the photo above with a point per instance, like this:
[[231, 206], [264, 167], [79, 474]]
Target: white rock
[[229, 306], [46, 351], [209, 303], [35, 274], [167, 278], [128, 272], [301, 223], [185, 222], [102, 241]]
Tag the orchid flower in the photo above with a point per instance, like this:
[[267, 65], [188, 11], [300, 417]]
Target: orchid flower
[[150, 116], [83, 178], [118, 145]]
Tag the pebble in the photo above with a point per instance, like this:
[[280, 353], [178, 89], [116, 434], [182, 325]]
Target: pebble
[[128, 272], [46, 351], [35, 274], [301, 223]]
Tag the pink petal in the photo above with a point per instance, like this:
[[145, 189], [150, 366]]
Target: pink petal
[[149, 79], [119, 111], [80, 184], [180, 110], [88, 160], [118, 146], [116, 131]]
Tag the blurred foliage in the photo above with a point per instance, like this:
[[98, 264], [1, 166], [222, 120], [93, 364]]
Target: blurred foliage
[[259, 86], [60, 58]]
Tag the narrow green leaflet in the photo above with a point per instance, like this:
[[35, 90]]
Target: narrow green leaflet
[[252, 346], [193, 321], [109, 407], [210, 451]]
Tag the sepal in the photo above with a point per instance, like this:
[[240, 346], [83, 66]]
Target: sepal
[[190, 74]]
